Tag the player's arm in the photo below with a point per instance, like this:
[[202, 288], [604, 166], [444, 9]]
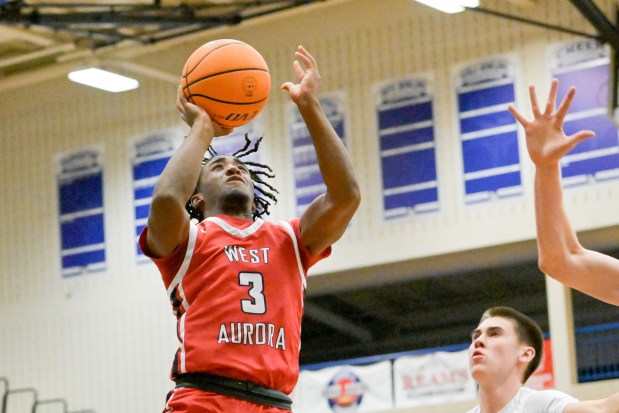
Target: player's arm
[[560, 254], [168, 219], [607, 405], [326, 218]]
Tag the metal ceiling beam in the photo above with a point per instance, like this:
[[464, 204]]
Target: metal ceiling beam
[[169, 17], [17, 12], [102, 23], [8, 34], [607, 30], [39, 54], [534, 22]]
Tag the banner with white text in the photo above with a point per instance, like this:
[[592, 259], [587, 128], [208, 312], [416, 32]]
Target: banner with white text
[[438, 377]]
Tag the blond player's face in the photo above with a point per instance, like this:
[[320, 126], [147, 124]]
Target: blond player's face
[[495, 349]]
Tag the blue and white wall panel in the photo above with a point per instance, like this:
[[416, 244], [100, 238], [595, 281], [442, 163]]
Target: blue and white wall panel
[[79, 177], [229, 144], [149, 155], [585, 64], [406, 133], [307, 178], [488, 132]]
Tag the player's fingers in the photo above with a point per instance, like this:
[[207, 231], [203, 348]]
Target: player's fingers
[[565, 104], [307, 58], [307, 63], [533, 98], [286, 86], [580, 136], [552, 97], [298, 70], [179, 104], [517, 115]]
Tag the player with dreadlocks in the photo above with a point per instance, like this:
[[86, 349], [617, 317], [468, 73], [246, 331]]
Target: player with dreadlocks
[[263, 191], [236, 282]]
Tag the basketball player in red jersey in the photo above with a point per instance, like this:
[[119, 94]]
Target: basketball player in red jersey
[[236, 283]]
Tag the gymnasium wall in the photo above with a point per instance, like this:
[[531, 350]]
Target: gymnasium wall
[[106, 340]]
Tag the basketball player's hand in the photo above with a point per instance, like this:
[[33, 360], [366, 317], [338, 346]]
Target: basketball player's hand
[[545, 138], [308, 78], [193, 114]]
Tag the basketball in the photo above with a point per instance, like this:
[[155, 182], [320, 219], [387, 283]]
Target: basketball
[[229, 79]]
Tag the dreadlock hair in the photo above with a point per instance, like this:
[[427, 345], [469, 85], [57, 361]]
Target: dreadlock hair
[[264, 193]]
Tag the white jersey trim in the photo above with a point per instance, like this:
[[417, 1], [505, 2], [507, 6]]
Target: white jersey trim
[[193, 233], [239, 233], [288, 228], [182, 337]]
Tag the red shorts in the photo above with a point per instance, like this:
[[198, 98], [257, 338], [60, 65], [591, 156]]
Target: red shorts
[[186, 400]]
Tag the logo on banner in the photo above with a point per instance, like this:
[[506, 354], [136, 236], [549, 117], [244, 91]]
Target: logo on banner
[[344, 392]]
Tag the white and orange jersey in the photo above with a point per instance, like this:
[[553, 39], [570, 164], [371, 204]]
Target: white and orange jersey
[[236, 287]]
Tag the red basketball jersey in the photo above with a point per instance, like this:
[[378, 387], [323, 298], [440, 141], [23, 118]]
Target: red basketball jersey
[[236, 287]]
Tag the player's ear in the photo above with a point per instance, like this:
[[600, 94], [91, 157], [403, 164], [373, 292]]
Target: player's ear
[[197, 200], [527, 353]]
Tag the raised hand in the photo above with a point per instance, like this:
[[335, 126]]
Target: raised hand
[[192, 113], [308, 77], [545, 138]]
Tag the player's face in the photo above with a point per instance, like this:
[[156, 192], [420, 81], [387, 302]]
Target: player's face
[[495, 349], [225, 177]]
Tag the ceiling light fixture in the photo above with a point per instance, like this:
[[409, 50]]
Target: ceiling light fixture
[[102, 79], [450, 6]]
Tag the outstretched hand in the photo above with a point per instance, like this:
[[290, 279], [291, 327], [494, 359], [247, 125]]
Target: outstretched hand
[[308, 77], [192, 113], [545, 138]]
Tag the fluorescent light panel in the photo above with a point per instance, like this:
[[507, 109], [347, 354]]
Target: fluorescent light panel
[[102, 79], [450, 6]]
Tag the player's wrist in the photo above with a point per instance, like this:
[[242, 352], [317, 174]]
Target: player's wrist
[[308, 102], [547, 167], [202, 129]]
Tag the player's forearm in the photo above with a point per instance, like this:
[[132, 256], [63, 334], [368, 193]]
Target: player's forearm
[[333, 159], [611, 404], [557, 241], [608, 405], [180, 176]]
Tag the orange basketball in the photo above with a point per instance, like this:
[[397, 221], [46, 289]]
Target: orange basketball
[[229, 79]]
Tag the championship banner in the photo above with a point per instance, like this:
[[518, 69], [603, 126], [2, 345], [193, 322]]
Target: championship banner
[[488, 132], [79, 178], [543, 378], [148, 156], [406, 135], [438, 377], [307, 177], [585, 64], [344, 389]]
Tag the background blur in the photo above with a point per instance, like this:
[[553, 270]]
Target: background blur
[[105, 340]]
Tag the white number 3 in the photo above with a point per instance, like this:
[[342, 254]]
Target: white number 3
[[257, 304]]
